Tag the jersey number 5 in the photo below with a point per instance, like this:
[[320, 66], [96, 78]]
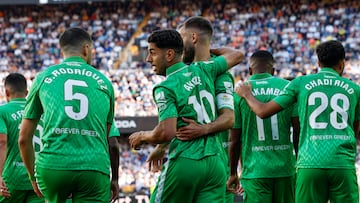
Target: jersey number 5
[[69, 95]]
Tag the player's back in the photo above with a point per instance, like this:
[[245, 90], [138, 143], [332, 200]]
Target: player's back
[[76, 100], [14, 172], [267, 148], [192, 90], [328, 107]]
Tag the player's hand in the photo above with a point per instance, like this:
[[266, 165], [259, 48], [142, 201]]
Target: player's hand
[[192, 131], [136, 139], [233, 184], [155, 159], [36, 189], [114, 185], [3, 189], [243, 89]]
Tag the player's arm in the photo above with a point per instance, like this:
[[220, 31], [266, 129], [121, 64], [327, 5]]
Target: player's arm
[[231, 55], [114, 163], [296, 133], [357, 131], [162, 133], [3, 148], [194, 130], [108, 129], [263, 110], [235, 149], [27, 130], [156, 157]]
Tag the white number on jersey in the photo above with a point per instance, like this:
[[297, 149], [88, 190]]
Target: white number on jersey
[[69, 95], [202, 115], [274, 128], [335, 100]]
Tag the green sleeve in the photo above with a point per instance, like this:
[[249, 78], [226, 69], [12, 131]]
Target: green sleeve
[[289, 96], [3, 128], [224, 88], [114, 132], [33, 107], [221, 66], [165, 102]]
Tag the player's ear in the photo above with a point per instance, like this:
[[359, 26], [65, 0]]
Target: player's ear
[[170, 55], [250, 71], [272, 71], [85, 50], [7, 92], [194, 37]]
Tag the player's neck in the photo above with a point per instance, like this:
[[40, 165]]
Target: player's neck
[[202, 55], [202, 52]]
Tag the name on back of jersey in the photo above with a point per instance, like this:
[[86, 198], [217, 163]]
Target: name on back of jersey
[[329, 82], [76, 71], [189, 85], [266, 91], [17, 115]]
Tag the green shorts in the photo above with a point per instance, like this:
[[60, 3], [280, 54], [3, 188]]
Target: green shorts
[[268, 190], [85, 186], [27, 196], [321, 185], [185, 180]]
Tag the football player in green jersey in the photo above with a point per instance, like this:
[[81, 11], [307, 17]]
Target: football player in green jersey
[[15, 185], [265, 147], [194, 171], [76, 102], [197, 34], [329, 116]]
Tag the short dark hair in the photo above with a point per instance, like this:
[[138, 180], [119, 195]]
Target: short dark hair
[[16, 82], [74, 38], [167, 39], [200, 23], [330, 53], [263, 56]]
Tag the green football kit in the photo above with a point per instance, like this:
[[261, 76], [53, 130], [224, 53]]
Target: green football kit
[[268, 160], [76, 102], [224, 88], [328, 107], [14, 172], [114, 132], [195, 171]]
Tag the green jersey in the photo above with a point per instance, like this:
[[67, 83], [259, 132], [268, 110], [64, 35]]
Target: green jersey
[[224, 88], [14, 172], [77, 103], [267, 151], [114, 132], [188, 91], [328, 108]]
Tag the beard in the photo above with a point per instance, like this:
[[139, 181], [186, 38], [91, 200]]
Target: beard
[[189, 54]]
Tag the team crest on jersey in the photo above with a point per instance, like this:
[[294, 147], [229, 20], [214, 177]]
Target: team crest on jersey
[[160, 101], [229, 87]]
